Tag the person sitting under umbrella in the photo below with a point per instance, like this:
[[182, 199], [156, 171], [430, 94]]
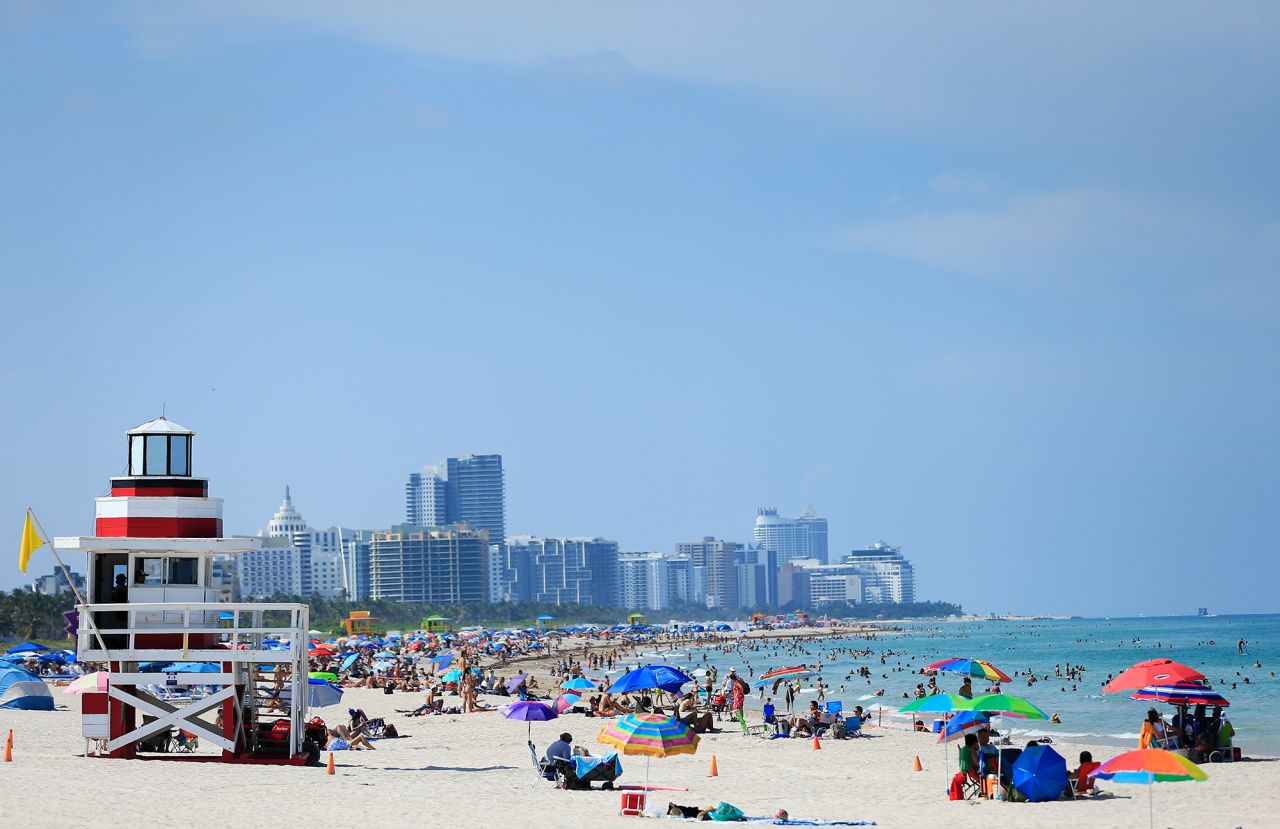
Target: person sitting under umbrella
[[561, 750]]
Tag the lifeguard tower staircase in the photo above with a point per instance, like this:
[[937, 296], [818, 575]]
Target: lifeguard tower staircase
[[178, 659]]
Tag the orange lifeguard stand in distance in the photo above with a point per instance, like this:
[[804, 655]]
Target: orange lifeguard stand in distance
[[358, 622]]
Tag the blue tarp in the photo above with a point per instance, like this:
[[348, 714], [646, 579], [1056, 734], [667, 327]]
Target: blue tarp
[[23, 690]]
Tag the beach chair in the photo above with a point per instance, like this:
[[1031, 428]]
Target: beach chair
[[546, 770], [186, 742], [1083, 783], [967, 775]]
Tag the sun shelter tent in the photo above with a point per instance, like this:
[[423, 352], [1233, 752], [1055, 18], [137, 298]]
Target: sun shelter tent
[[23, 690]]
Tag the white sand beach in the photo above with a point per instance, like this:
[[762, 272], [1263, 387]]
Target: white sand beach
[[475, 770]]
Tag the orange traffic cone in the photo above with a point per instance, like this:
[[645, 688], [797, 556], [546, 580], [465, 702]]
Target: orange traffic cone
[[8, 748], [715, 770], [330, 770], [917, 764], [817, 746]]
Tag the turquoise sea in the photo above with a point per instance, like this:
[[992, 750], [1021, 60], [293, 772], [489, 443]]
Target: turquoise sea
[[1102, 646]]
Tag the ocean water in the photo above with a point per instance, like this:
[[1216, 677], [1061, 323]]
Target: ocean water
[[1102, 646]]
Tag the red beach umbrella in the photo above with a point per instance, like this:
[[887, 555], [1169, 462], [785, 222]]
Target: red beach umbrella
[[1152, 672]]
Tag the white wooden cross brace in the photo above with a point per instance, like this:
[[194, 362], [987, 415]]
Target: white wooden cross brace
[[168, 716]]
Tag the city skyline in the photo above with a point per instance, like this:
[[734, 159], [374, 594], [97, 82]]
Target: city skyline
[[968, 281]]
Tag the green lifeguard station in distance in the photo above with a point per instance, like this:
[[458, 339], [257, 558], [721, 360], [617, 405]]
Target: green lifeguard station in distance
[[435, 624]]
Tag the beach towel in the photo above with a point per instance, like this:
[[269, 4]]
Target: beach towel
[[583, 765]]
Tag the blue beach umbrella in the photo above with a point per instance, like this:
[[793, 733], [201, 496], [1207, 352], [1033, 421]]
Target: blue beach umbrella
[[454, 675], [349, 660], [650, 676], [580, 683], [1040, 774], [966, 722], [322, 694]]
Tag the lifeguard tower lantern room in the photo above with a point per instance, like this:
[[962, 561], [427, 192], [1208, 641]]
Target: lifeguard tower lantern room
[[152, 602]]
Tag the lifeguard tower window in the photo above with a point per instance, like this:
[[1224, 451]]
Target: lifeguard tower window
[[183, 571], [157, 454], [160, 455], [148, 571], [171, 570]]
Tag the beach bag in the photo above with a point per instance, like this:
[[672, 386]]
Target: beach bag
[[727, 811]]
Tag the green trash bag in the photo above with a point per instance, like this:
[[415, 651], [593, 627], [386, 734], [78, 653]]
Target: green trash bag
[[727, 811]]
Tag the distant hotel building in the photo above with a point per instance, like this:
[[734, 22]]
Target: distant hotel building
[[792, 538], [643, 581], [295, 560], [470, 491], [410, 563], [713, 571], [561, 570], [887, 577], [56, 582], [876, 575]]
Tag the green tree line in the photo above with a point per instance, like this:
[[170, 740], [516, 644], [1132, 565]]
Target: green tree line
[[25, 615]]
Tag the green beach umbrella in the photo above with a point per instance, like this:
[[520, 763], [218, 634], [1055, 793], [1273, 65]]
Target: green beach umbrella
[[1007, 705], [937, 704]]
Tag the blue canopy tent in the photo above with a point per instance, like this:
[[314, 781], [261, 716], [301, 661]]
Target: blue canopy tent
[[23, 690], [27, 647]]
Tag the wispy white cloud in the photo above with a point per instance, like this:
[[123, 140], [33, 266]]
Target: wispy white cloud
[[1012, 71], [1083, 238]]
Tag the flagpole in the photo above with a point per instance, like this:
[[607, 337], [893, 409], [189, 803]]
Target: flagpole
[[80, 602]]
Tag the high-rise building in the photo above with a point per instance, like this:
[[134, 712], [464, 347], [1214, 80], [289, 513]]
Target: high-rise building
[[757, 574], [56, 582], [643, 581], [467, 490], [476, 495], [273, 570], [792, 538], [441, 565], [355, 553], [295, 560], [808, 583], [713, 564], [562, 570], [817, 530], [424, 497], [887, 577], [680, 584]]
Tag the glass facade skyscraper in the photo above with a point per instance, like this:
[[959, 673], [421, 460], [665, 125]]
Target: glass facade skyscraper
[[470, 490]]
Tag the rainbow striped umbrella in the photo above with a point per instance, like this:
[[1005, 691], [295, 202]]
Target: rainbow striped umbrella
[[652, 735], [1149, 765], [979, 668]]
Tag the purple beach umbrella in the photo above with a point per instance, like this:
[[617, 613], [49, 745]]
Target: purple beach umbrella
[[529, 711]]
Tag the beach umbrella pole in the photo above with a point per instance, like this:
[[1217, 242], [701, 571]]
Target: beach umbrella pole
[[1151, 813]]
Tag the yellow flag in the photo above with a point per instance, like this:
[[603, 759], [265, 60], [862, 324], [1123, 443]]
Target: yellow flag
[[31, 540]]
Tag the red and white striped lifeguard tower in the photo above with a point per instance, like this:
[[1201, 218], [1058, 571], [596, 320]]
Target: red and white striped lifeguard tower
[[152, 599]]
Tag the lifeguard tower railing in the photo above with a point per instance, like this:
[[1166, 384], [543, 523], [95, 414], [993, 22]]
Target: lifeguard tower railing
[[211, 632]]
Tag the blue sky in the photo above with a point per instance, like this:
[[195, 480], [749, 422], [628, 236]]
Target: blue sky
[[998, 284]]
